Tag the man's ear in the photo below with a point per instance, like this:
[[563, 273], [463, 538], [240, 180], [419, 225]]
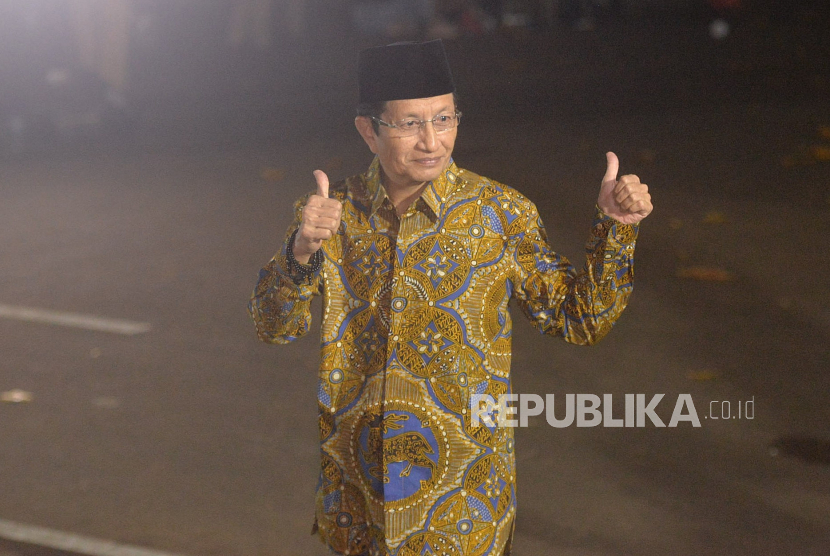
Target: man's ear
[[367, 131]]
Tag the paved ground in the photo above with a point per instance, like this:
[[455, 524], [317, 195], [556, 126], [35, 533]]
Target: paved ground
[[19, 549], [8, 548], [194, 438]]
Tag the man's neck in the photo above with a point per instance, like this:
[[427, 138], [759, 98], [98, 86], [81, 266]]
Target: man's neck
[[402, 196]]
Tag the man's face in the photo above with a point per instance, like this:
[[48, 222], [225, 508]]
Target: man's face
[[411, 161]]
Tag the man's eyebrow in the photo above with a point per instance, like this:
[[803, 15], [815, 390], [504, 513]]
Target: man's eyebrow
[[446, 108]]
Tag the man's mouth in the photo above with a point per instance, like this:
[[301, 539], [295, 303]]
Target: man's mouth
[[428, 161]]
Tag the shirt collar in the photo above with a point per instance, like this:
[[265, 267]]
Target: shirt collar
[[434, 195]]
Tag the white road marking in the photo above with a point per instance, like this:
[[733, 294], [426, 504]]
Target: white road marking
[[74, 320], [87, 546]]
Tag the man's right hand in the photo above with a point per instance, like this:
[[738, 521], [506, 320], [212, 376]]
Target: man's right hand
[[321, 219]]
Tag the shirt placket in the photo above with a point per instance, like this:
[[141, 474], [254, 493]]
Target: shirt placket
[[402, 227], [394, 322]]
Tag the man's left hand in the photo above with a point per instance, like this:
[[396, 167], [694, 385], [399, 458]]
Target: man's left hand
[[625, 200]]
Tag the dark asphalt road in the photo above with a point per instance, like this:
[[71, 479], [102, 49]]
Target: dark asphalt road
[[21, 549], [194, 438]]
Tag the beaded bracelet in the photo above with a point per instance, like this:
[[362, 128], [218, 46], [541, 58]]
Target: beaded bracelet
[[298, 270]]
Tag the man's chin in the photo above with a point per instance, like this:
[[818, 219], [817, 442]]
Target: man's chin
[[429, 174], [433, 176]]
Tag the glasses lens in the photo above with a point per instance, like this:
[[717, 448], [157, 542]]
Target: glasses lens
[[406, 127], [411, 126], [443, 122]]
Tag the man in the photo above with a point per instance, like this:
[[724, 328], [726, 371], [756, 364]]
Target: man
[[417, 260]]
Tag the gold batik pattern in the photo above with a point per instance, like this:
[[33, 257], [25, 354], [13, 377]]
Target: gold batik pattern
[[415, 322]]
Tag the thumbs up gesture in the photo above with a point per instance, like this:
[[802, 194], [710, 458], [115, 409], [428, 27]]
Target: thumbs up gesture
[[320, 221], [625, 200]]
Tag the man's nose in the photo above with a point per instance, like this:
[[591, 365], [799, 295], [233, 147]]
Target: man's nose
[[428, 136]]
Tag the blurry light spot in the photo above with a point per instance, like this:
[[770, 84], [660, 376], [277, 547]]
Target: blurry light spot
[[95, 353], [16, 396], [788, 161], [334, 164], [719, 29], [820, 153], [705, 274], [272, 174], [703, 376], [57, 76], [107, 402], [647, 156], [714, 217], [515, 65], [515, 20]]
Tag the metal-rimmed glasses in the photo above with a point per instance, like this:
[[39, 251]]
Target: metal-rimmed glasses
[[412, 126]]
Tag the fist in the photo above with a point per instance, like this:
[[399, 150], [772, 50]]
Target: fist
[[320, 221], [625, 200]]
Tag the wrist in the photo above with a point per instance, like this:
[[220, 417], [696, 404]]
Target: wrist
[[302, 271], [301, 255], [301, 258]]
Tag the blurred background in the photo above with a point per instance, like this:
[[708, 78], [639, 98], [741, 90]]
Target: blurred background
[[150, 152]]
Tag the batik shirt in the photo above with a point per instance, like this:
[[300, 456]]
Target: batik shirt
[[415, 322]]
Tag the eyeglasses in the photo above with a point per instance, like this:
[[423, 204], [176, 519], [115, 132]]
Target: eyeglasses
[[412, 126]]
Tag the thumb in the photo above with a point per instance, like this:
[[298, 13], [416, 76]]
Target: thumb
[[322, 183], [613, 168]]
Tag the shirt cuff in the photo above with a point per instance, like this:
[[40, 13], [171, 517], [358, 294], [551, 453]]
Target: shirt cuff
[[291, 277], [612, 228]]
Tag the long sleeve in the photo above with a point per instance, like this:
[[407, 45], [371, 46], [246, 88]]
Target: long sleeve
[[280, 307], [579, 306]]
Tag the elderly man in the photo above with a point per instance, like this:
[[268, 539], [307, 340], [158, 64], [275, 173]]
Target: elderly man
[[417, 260]]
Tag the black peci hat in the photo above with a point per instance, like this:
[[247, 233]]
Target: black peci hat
[[403, 71]]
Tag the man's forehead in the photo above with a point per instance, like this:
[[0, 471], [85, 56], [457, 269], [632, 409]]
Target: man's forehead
[[417, 105]]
